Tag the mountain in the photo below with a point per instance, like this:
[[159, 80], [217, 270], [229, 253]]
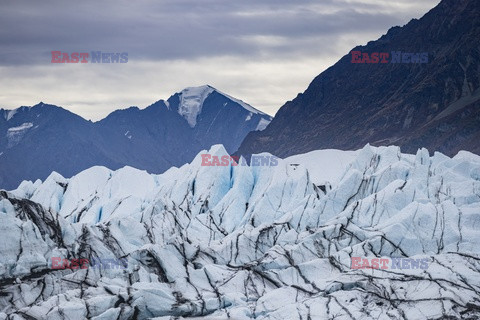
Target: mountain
[[285, 241], [36, 140], [167, 133], [434, 105]]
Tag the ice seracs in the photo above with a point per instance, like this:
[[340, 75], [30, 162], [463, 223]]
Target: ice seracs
[[243, 242]]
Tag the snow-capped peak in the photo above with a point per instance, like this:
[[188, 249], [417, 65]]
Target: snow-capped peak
[[191, 102], [192, 99]]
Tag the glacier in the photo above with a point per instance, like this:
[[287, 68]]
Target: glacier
[[243, 242]]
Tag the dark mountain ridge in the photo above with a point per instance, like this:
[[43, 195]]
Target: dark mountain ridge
[[34, 141], [433, 105]]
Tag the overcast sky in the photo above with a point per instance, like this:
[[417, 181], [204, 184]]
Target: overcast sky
[[263, 52]]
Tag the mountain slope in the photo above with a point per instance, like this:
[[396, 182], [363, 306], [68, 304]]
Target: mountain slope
[[434, 105], [35, 141], [44, 138], [249, 242]]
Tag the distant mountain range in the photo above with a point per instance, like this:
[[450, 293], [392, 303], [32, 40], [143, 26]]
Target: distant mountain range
[[434, 105], [34, 141]]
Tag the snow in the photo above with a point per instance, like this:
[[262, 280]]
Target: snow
[[15, 134], [191, 102], [10, 113], [324, 165], [262, 124], [250, 242], [22, 127], [192, 99]]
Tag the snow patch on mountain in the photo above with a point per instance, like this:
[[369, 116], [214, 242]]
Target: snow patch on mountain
[[262, 124], [15, 134], [192, 99], [191, 102], [22, 127], [10, 113]]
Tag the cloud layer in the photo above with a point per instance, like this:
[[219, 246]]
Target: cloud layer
[[261, 52]]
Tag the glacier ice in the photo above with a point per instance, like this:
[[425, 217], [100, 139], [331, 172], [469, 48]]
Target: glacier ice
[[248, 242]]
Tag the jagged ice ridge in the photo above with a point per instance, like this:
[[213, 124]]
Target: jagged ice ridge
[[248, 242]]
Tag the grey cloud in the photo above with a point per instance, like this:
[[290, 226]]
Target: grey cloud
[[181, 29], [263, 52]]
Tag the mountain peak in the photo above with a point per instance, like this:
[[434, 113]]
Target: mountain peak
[[42, 104], [192, 99], [433, 104], [191, 102]]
